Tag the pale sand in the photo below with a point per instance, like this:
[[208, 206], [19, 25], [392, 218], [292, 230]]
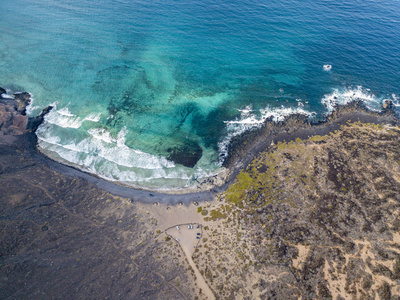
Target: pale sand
[[337, 284], [168, 217], [301, 257], [187, 239]]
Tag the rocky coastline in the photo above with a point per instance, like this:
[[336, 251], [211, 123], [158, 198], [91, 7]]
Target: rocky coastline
[[244, 147], [241, 150], [292, 223], [13, 118]]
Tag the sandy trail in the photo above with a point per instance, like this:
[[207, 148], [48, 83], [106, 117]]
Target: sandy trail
[[188, 235]]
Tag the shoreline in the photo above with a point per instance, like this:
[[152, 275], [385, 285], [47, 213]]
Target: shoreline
[[244, 147], [241, 151], [206, 184], [252, 143]]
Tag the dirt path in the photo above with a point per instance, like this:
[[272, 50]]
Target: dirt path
[[199, 278], [188, 235]]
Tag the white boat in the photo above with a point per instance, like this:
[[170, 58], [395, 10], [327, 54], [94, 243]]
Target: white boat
[[327, 67]]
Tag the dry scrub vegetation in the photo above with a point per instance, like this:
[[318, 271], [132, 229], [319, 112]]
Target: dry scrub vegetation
[[310, 219]]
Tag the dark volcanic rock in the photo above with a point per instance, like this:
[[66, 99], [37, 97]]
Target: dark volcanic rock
[[55, 244], [23, 100], [13, 121], [34, 122], [2, 91], [387, 104], [187, 153]]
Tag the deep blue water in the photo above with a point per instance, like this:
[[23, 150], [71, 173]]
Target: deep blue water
[[140, 84]]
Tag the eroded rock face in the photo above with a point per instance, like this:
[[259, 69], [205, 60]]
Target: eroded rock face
[[13, 118], [387, 104], [34, 122], [12, 122], [23, 100]]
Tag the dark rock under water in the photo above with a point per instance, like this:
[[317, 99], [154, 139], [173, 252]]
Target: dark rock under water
[[187, 153]]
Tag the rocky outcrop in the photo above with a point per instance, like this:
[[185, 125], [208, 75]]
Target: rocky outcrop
[[2, 91], [13, 118], [12, 122], [387, 104], [23, 100], [34, 122]]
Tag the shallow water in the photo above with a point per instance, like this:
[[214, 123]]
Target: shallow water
[[143, 89]]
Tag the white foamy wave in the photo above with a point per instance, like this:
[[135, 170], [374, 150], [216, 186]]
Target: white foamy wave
[[395, 100], [101, 145], [93, 117], [121, 138], [102, 134], [64, 118], [65, 112], [249, 120], [110, 159], [30, 108], [279, 114], [6, 96], [347, 95], [178, 176]]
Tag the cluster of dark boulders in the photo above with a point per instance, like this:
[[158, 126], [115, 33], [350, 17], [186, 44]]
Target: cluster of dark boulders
[[23, 100], [387, 104], [13, 118]]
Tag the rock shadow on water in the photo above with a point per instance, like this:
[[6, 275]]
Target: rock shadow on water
[[211, 127], [186, 153]]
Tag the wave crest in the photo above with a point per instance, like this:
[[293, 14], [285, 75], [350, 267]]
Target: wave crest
[[347, 95], [249, 120], [65, 119]]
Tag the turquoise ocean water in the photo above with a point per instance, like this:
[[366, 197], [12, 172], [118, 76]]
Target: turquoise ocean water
[[150, 92]]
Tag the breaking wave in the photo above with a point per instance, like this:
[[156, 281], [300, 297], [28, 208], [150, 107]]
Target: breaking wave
[[100, 153], [65, 119], [250, 120], [347, 95], [104, 154]]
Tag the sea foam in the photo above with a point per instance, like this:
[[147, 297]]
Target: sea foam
[[64, 118], [107, 155], [101, 144], [114, 161], [250, 120], [347, 95]]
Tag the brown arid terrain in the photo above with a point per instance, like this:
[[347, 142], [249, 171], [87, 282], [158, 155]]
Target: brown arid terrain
[[314, 214], [310, 219]]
